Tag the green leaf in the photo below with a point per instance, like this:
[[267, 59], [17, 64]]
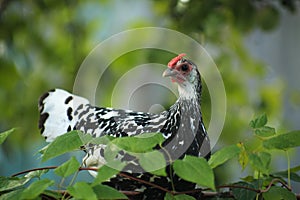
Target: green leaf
[[295, 169], [284, 141], [278, 193], [62, 144], [36, 174], [4, 135], [265, 131], [53, 194], [68, 168], [153, 162], [260, 161], [293, 175], [139, 144], [169, 196], [243, 156], [85, 138], [195, 170], [184, 197], [106, 192], [110, 153], [259, 122], [248, 178], [241, 193], [102, 140], [9, 183], [82, 190], [104, 174], [15, 194], [223, 155], [36, 188]]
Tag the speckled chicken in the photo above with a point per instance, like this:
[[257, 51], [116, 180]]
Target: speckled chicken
[[181, 126]]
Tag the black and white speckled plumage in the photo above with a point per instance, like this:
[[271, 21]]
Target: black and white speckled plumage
[[181, 126]]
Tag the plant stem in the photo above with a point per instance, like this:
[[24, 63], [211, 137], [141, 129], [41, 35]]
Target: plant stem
[[289, 167], [170, 167], [259, 186]]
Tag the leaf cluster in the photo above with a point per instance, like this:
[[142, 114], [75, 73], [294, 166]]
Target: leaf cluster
[[263, 184]]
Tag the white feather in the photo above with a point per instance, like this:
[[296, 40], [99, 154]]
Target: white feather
[[58, 121]]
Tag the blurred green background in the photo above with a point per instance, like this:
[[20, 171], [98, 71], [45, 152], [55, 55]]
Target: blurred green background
[[255, 45]]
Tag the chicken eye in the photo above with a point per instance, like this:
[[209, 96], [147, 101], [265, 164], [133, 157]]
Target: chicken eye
[[184, 67]]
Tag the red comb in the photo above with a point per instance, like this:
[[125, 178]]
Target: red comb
[[175, 60]]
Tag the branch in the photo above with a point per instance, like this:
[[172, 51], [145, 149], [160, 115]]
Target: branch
[[204, 193], [239, 186], [145, 182], [272, 183], [32, 170]]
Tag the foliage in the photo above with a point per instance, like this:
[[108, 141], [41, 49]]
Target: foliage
[[221, 26], [43, 43], [34, 39], [195, 170], [4, 135], [263, 184]]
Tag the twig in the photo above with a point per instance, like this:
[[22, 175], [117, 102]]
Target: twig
[[239, 186], [274, 181], [32, 170], [145, 182], [204, 193]]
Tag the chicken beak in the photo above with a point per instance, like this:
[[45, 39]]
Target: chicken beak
[[169, 72]]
